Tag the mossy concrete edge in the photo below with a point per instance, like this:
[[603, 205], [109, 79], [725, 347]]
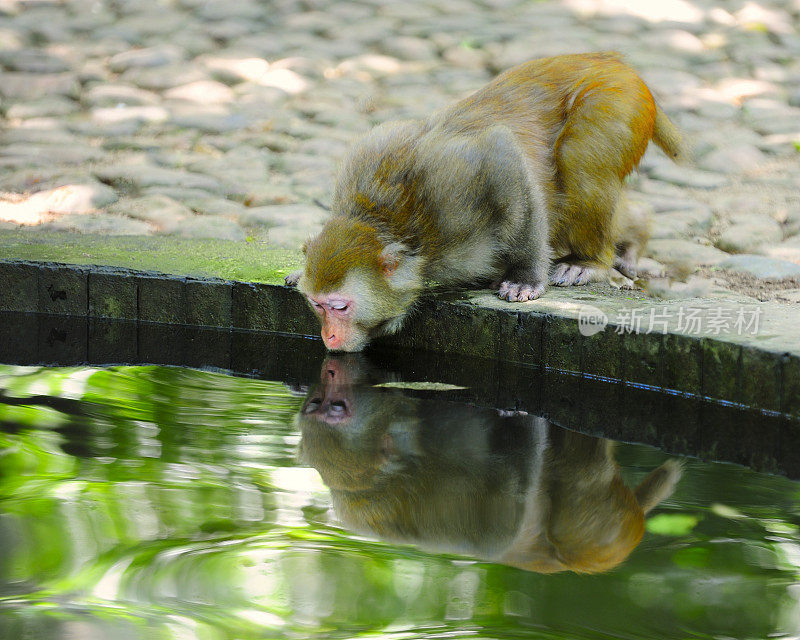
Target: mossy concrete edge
[[721, 367]]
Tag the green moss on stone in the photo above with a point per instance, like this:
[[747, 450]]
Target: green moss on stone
[[248, 261]]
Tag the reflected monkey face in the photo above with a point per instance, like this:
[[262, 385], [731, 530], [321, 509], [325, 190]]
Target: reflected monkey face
[[330, 401]]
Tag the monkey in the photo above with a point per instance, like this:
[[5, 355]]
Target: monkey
[[525, 173], [455, 478]]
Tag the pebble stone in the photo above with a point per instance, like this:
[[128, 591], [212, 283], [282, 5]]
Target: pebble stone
[[221, 119], [761, 266], [748, 232]]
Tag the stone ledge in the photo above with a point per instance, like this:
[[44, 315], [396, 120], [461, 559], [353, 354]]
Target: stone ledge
[[760, 371]]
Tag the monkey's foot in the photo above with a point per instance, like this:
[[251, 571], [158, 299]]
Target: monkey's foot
[[619, 280], [293, 278], [520, 291], [566, 274], [626, 267]]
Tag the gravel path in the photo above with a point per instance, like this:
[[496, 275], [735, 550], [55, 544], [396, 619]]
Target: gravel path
[[225, 118]]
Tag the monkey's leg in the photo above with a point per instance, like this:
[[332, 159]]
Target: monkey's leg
[[587, 227], [526, 276], [517, 206], [631, 235], [597, 147]]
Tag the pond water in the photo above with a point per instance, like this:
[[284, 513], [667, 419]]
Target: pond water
[[164, 502]]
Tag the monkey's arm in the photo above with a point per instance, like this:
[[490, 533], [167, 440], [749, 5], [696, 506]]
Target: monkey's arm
[[515, 194]]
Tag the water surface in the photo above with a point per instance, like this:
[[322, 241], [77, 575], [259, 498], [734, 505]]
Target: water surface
[[163, 502]]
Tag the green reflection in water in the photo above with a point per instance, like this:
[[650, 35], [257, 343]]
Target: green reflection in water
[[152, 502]]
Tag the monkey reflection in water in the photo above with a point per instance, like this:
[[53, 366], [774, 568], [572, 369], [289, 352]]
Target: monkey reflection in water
[[455, 478]]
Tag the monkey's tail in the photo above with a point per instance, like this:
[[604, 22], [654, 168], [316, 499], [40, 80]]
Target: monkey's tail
[[667, 136]]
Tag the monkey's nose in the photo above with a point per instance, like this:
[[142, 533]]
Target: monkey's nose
[[332, 341]]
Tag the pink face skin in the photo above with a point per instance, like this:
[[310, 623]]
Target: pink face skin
[[336, 314]]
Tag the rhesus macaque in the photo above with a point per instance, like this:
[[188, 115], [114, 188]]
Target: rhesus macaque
[[456, 478], [493, 188]]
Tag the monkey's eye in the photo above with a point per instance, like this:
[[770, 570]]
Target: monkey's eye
[[339, 306], [317, 306]]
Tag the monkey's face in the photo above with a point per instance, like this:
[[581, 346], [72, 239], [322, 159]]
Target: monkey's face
[[359, 286], [364, 306], [338, 312]]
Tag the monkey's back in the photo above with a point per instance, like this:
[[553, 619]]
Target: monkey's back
[[534, 100], [544, 102]]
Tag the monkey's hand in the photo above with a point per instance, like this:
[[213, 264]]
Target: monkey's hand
[[293, 278], [520, 291]]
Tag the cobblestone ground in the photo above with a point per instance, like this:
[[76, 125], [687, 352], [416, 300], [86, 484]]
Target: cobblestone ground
[[225, 118]]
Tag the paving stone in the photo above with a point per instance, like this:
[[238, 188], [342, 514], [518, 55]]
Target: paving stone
[[162, 78], [50, 154], [33, 86], [202, 91], [158, 56], [688, 177], [789, 250], [32, 61], [669, 250], [159, 210], [98, 223], [299, 215], [48, 106], [747, 233], [734, 159], [77, 198], [681, 224], [111, 95], [761, 266], [143, 176]]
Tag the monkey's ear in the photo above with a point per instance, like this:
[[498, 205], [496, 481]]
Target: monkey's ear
[[391, 257], [304, 248]]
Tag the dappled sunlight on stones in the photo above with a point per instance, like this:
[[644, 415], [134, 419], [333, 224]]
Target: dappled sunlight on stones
[[201, 92], [652, 11], [73, 198]]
